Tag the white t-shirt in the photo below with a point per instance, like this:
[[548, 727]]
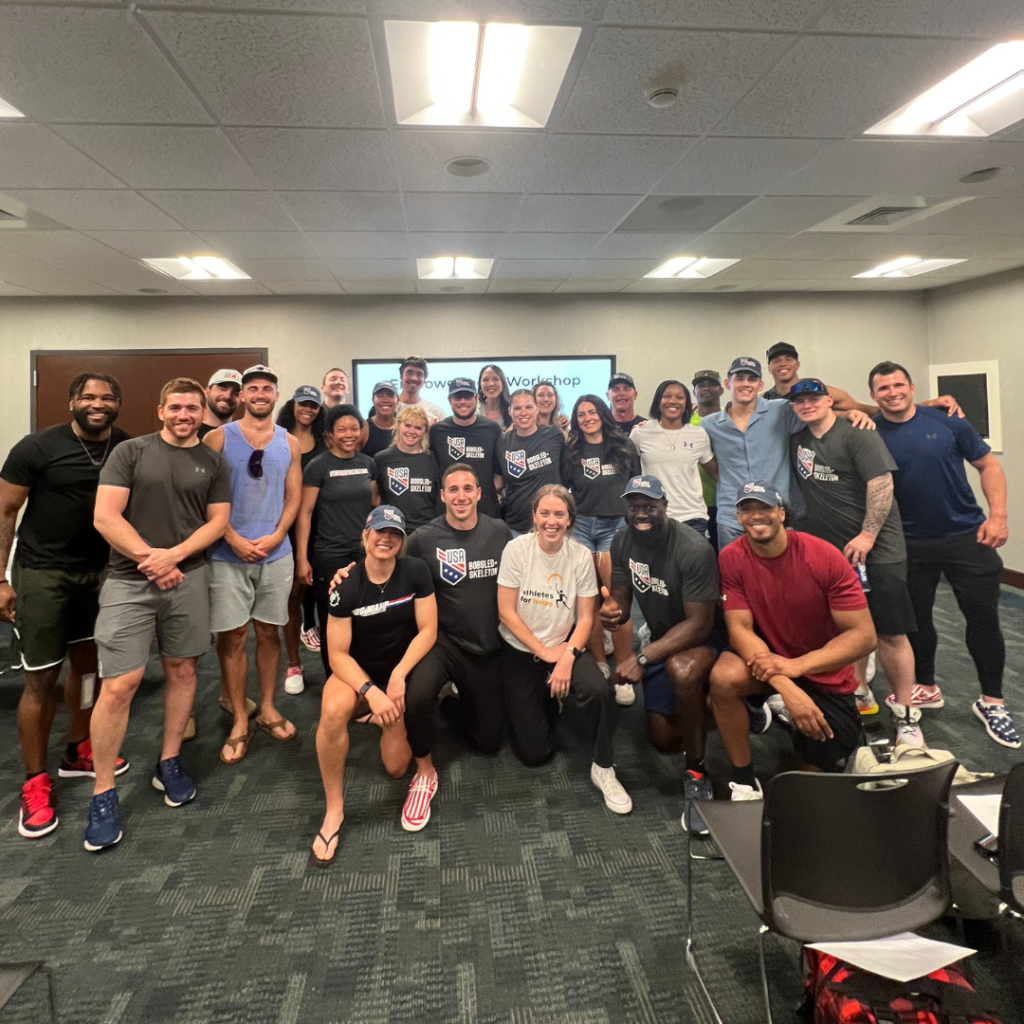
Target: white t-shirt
[[672, 456], [433, 412], [548, 586]]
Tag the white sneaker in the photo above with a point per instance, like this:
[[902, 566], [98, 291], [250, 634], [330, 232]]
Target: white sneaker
[[624, 694], [779, 709], [605, 670], [293, 681], [899, 711], [869, 672], [615, 797], [741, 792], [909, 734]]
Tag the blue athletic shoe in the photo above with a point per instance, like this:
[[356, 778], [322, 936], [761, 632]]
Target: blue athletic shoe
[[696, 786], [103, 828], [760, 717], [998, 723], [174, 782]]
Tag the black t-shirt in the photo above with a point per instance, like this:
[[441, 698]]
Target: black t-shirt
[[205, 428], [411, 483], [464, 567], [307, 457], [378, 439], [528, 464], [674, 568], [596, 483], [383, 620], [478, 444], [62, 472], [344, 502], [627, 426]]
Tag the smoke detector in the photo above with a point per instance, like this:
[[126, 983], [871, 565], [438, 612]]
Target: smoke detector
[[662, 90]]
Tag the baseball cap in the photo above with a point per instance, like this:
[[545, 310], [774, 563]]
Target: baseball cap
[[747, 364], [649, 485], [385, 385], [621, 378], [781, 348], [386, 517], [308, 393], [712, 375], [225, 377], [760, 491], [259, 370], [459, 384], [807, 386]]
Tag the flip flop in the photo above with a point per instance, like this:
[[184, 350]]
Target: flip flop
[[269, 727], [234, 744], [325, 862]]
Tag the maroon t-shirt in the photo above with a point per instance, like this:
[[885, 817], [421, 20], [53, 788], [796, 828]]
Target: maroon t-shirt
[[792, 597]]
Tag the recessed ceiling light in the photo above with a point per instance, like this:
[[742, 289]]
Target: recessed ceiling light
[[464, 73], [908, 266], [980, 98], [467, 166], [198, 268], [690, 267], [6, 110], [448, 267]]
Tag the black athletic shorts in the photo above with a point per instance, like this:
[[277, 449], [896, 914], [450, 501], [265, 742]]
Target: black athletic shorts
[[889, 600], [840, 711]]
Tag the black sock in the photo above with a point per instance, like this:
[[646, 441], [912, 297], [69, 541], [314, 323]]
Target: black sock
[[32, 775], [72, 750], [744, 776], [693, 765]]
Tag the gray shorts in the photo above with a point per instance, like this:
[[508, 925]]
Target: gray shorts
[[240, 591], [134, 613]]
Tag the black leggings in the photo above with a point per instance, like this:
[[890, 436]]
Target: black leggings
[[323, 573], [532, 711], [476, 712]]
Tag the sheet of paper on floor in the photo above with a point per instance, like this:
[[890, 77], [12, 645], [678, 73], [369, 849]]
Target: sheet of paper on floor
[[985, 808], [900, 957]]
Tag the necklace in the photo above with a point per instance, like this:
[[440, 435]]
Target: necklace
[[671, 444], [103, 457]]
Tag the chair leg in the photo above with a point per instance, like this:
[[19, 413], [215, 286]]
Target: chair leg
[[761, 932], [691, 957]]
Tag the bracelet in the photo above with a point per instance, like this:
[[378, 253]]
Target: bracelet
[[364, 688]]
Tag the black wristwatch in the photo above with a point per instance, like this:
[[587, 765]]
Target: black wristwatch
[[363, 689], [641, 660], [574, 651]]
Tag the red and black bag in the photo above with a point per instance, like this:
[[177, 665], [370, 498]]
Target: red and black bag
[[839, 993]]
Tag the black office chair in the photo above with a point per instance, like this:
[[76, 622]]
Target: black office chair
[[1011, 842], [827, 858]]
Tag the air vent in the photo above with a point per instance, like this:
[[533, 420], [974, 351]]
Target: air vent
[[887, 213], [882, 215]]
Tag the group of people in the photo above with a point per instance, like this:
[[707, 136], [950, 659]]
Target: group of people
[[484, 565]]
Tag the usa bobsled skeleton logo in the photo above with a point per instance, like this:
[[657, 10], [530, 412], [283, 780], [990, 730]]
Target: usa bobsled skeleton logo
[[641, 573], [516, 462], [457, 447], [453, 564], [805, 461], [398, 479], [591, 468]]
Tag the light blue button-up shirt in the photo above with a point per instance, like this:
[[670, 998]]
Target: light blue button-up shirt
[[759, 453]]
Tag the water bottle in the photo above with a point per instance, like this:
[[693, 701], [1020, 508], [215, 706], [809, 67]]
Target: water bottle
[[862, 574]]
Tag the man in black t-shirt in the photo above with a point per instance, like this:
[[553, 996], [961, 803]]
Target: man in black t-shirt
[[468, 438], [223, 396], [672, 572], [58, 568], [622, 395]]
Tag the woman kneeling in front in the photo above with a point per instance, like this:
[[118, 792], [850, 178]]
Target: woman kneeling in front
[[547, 591], [382, 621]]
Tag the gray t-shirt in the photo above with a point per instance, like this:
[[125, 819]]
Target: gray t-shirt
[[170, 489], [833, 472]]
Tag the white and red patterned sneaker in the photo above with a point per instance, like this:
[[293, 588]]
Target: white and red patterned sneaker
[[293, 681], [416, 812], [920, 697], [310, 638]]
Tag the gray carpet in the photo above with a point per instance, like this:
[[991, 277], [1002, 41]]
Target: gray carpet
[[523, 902]]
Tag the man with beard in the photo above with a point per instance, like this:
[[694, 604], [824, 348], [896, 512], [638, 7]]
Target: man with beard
[[671, 570], [251, 567], [621, 398], [222, 398], [58, 567]]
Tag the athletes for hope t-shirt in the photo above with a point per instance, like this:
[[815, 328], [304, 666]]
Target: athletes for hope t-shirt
[[383, 619], [409, 482], [548, 586], [833, 473], [62, 472], [596, 483], [528, 464], [791, 597], [344, 502], [464, 567], [170, 489], [479, 444], [665, 571]]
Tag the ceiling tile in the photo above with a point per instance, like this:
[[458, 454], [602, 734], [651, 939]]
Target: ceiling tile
[[880, 246], [487, 10], [550, 245], [47, 245], [442, 211], [345, 211], [318, 158], [786, 286], [664, 284], [784, 214], [993, 19], [713, 71], [272, 271], [682, 214], [372, 270], [452, 287], [339, 245], [735, 245], [277, 69], [536, 270], [258, 245], [153, 244], [31, 156], [314, 6], [229, 288], [356, 287], [770, 270], [23, 272], [503, 287], [422, 157], [120, 273], [835, 86], [989, 215], [593, 286], [479, 244], [224, 211], [330, 287], [13, 291], [574, 213], [600, 270], [97, 210], [85, 64], [769, 14], [642, 245]]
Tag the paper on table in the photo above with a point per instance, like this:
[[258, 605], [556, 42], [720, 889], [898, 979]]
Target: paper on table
[[985, 808], [901, 957]]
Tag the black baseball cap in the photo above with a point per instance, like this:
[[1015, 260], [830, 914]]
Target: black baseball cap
[[457, 385], [781, 348], [621, 378], [746, 364], [807, 386], [759, 490]]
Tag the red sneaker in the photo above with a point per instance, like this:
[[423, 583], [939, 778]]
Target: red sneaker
[[82, 763], [416, 812], [37, 815]]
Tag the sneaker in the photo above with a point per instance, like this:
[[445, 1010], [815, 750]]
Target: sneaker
[[310, 638], [609, 647], [909, 733], [866, 703], [82, 764], [172, 780], [869, 672], [998, 723], [778, 708], [760, 717], [624, 694], [615, 797], [741, 792], [103, 828], [416, 812], [293, 681], [920, 697], [899, 711], [605, 670], [696, 786], [37, 813]]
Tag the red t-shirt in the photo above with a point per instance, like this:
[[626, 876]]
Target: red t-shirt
[[791, 597]]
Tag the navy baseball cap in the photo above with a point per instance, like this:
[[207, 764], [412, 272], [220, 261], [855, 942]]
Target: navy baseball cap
[[781, 348], [807, 386], [457, 385], [308, 393], [648, 485], [759, 490], [621, 378], [746, 364], [386, 517], [385, 385]]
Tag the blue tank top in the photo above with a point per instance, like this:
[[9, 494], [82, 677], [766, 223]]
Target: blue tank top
[[256, 504]]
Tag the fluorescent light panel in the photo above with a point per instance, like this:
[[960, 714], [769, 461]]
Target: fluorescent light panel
[[445, 268], [908, 266], [690, 267], [6, 110], [982, 97], [197, 268], [465, 73]]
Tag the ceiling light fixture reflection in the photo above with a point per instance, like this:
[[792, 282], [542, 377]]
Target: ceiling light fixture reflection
[[908, 266], [197, 268], [6, 110], [442, 268], [690, 267]]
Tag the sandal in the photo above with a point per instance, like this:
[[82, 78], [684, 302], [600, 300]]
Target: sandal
[[324, 862], [269, 727], [234, 744]]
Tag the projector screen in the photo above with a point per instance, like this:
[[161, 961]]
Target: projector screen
[[572, 376]]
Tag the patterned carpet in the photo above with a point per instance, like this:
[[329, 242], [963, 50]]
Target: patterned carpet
[[523, 902]]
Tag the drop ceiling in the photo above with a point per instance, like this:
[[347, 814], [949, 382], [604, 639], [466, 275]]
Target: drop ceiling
[[264, 131]]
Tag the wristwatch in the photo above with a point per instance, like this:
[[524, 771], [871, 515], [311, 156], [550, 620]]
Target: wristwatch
[[641, 660], [366, 686], [574, 651]]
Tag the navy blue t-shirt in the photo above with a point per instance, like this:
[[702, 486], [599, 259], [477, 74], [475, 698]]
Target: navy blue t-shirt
[[932, 489]]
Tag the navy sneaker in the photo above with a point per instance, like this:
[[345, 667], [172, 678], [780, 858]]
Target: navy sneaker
[[103, 828], [998, 723], [696, 786], [174, 782], [760, 717]]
